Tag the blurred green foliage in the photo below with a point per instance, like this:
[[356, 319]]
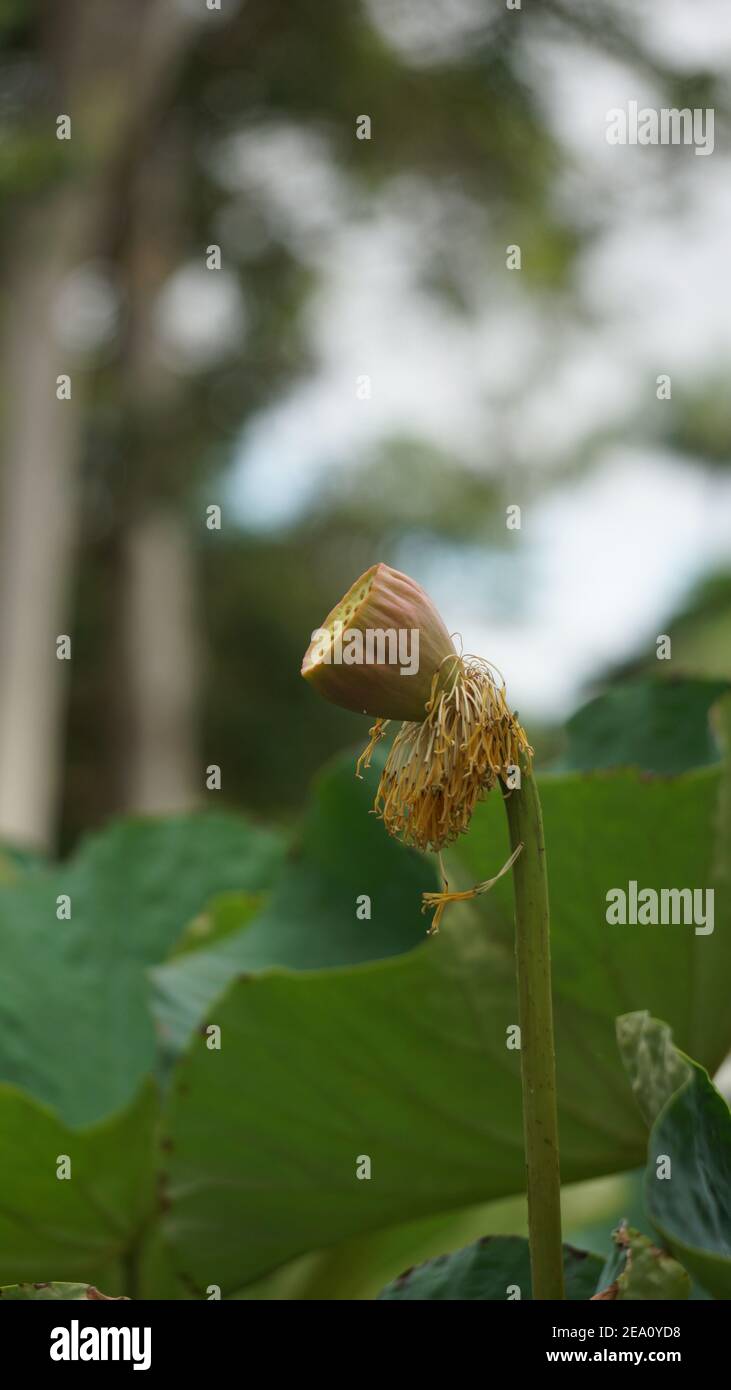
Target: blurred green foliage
[[339, 1034]]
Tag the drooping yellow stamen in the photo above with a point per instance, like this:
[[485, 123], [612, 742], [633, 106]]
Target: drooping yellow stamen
[[441, 901], [377, 732], [438, 769]]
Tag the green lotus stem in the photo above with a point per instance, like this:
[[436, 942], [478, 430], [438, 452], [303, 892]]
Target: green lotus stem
[[538, 1058]]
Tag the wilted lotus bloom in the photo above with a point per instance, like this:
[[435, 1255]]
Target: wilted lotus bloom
[[459, 737]]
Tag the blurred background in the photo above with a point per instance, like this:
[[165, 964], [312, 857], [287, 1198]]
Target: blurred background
[[216, 294]]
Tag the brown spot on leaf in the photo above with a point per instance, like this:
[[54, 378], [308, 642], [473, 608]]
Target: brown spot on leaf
[[606, 1294]]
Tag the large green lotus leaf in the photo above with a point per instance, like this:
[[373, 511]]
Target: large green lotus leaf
[[603, 831], [85, 1226], [688, 1175], [353, 1269], [494, 1268], [315, 915], [361, 1267], [405, 1060], [661, 726], [75, 1026]]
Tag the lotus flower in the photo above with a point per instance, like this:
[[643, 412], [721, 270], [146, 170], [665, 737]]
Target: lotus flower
[[459, 736]]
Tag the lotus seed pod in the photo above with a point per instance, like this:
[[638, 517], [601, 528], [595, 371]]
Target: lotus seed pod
[[379, 650]]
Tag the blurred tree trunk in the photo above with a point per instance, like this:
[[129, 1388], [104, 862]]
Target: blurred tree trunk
[[162, 769], [39, 522], [162, 772], [109, 66]]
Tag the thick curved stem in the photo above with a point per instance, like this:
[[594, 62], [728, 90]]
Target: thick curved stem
[[538, 1062]]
